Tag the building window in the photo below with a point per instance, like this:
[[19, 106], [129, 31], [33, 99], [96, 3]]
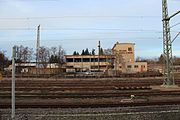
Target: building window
[[109, 60], [69, 67], [94, 67], [136, 66], [102, 60], [130, 52], [129, 66], [69, 60], [77, 60], [130, 49], [122, 52], [86, 60], [143, 66], [94, 59]]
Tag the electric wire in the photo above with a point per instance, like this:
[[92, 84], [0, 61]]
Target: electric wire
[[175, 25], [60, 17]]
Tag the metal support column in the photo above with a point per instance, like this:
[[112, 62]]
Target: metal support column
[[99, 48], [13, 82], [167, 46], [37, 51]]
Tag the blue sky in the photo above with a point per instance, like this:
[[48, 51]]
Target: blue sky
[[80, 24]]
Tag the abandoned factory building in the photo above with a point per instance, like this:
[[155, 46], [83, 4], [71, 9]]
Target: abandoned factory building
[[122, 59]]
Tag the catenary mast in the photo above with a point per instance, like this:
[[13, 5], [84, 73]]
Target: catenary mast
[[167, 46], [38, 47]]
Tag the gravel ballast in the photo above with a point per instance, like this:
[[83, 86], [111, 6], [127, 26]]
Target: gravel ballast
[[118, 113]]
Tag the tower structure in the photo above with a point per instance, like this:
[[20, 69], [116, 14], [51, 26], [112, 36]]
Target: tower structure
[[37, 47], [167, 47]]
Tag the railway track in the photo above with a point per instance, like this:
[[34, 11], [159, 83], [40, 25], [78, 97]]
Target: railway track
[[98, 84], [90, 103], [85, 82], [90, 94], [86, 93]]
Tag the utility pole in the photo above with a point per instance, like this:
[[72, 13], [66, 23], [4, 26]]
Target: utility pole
[[167, 46], [99, 47], [37, 50], [14, 55]]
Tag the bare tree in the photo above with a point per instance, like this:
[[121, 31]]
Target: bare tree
[[53, 55], [25, 54], [53, 50], [4, 62], [107, 51], [119, 60], [61, 53], [43, 56]]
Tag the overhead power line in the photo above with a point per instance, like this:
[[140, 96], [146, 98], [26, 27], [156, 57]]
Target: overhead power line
[[175, 25], [86, 29], [118, 29], [92, 39], [60, 17]]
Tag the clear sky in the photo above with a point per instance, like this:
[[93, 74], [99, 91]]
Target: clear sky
[[80, 24]]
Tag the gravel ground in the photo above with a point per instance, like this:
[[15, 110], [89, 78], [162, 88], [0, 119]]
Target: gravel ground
[[117, 113]]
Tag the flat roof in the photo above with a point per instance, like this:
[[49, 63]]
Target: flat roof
[[117, 43], [89, 56]]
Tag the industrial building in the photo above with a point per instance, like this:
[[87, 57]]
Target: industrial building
[[84, 63], [125, 59], [122, 60]]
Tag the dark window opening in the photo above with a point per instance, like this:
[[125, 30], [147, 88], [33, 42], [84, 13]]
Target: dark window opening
[[77, 60], [69, 60], [94, 59], [136, 66], [130, 49], [86, 60]]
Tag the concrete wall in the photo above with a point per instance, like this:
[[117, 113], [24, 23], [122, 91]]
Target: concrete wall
[[126, 50], [136, 67]]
